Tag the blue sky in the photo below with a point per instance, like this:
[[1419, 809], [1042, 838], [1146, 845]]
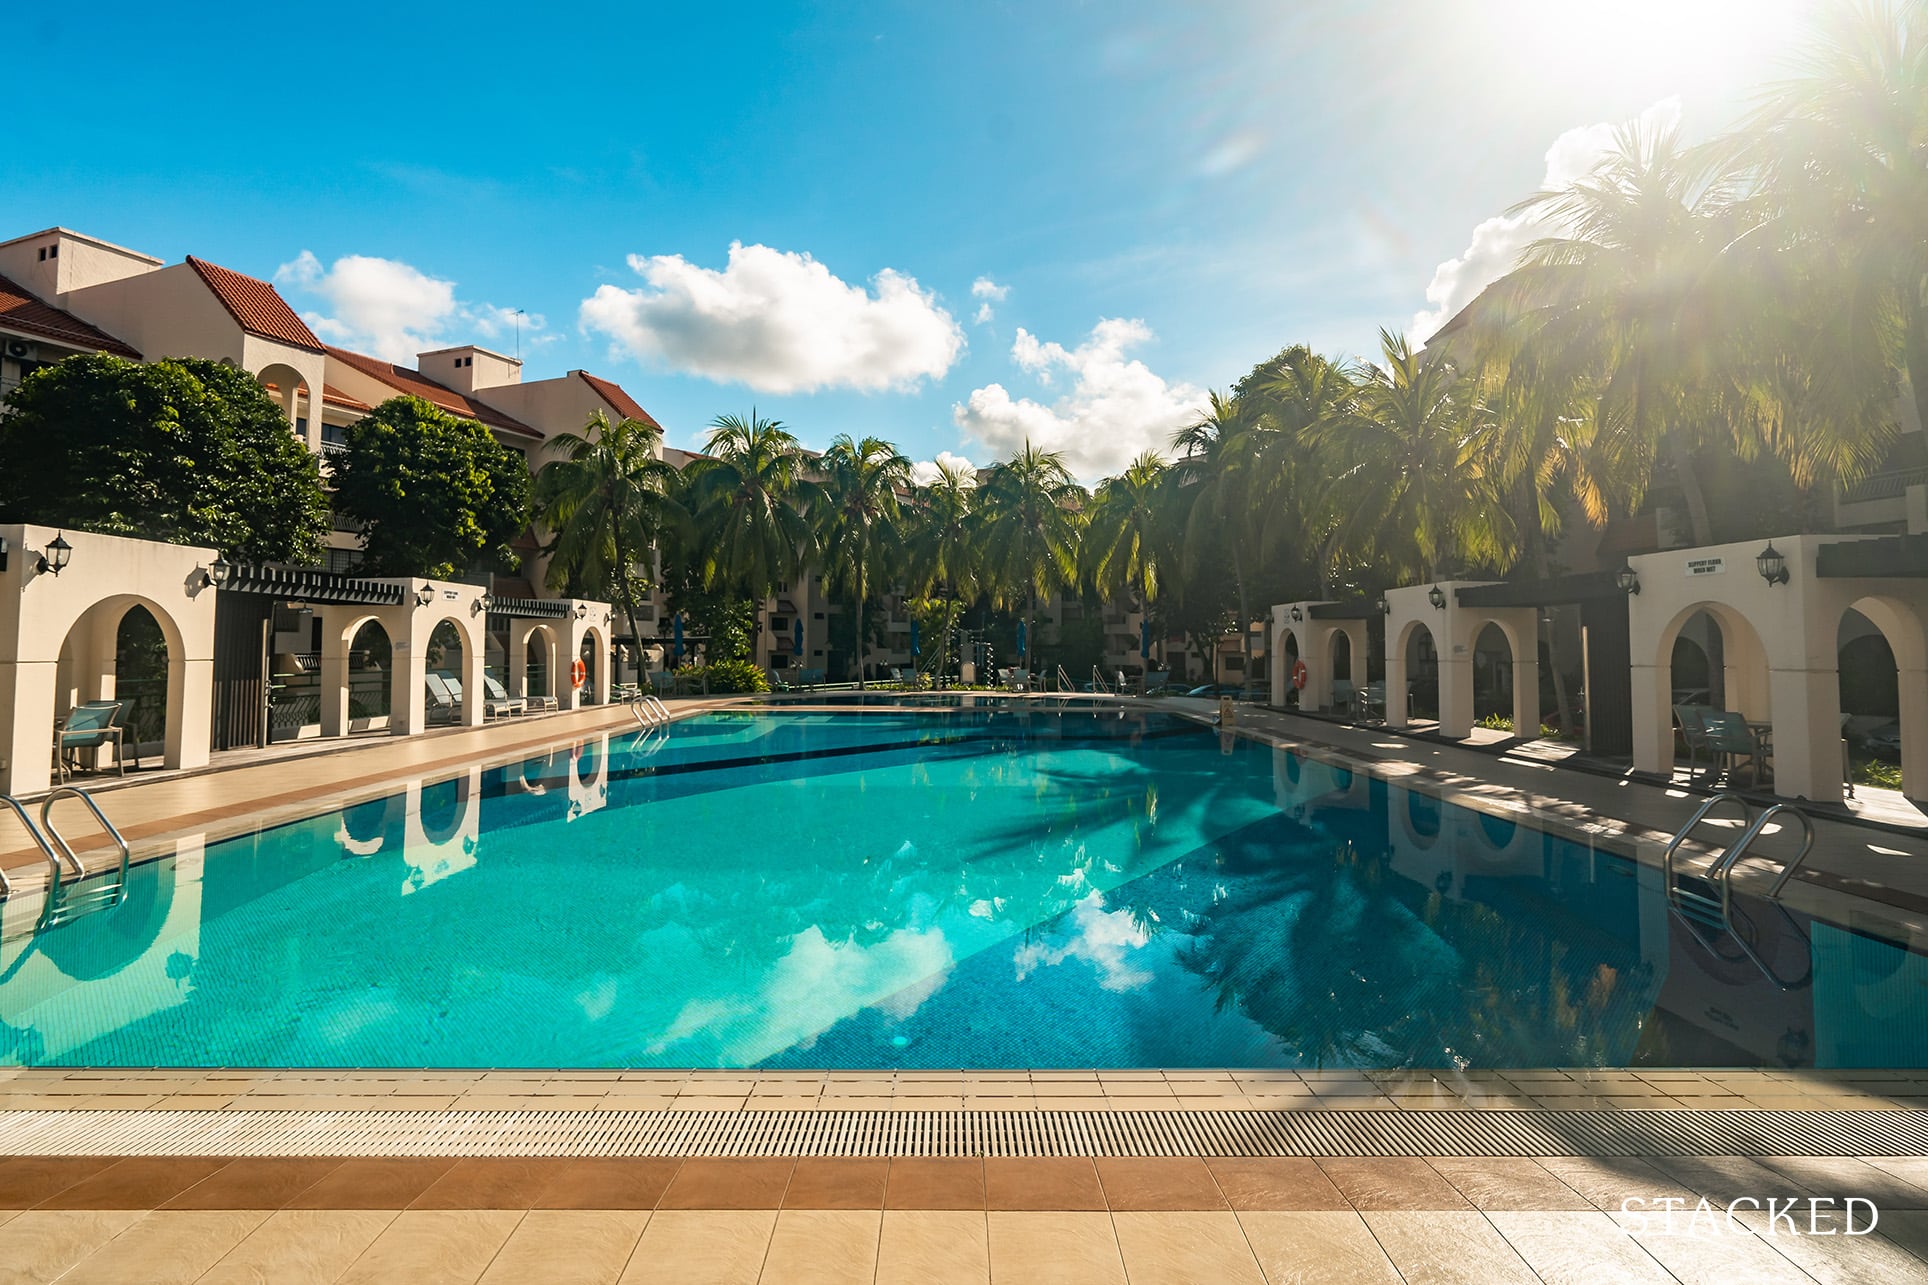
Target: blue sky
[[1153, 196]]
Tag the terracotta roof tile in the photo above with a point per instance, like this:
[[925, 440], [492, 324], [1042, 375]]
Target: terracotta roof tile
[[626, 406], [256, 306], [333, 396], [416, 384], [22, 312]]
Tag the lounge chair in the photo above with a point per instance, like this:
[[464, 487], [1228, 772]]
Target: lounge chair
[[89, 727], [444, 698], [1693, 733], [1156, 681], [498, 702], [1731, 739], [776, 683], [663, 682], [1342, 691]]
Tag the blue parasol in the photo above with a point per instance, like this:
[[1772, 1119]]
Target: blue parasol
[[1144, 640], [796, 636], [915, 650], [676, 640], [1020, 640]]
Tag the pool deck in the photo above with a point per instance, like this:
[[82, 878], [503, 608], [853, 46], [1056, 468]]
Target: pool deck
[[380, 1175]]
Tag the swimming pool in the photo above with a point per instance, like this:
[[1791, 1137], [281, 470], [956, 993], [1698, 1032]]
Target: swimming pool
[[945, 888]]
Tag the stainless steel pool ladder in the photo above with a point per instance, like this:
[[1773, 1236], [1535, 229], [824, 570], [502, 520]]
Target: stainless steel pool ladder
[[79, 897], [1714, 909], [648, 711]]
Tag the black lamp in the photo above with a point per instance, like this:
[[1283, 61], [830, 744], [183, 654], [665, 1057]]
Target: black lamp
[[57, 554], [582, 611], [1298, 614], [425, 595], [1773, 566], [1385, 606], [1627, 580], [219, 571], [1437, 596], [485, 602]]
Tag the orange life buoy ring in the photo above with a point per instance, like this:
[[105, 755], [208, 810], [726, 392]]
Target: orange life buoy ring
[[578, 672], [1298, 674]]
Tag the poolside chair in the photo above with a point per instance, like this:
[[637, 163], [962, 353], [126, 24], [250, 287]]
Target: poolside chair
[[1342, 690], [498, 702], [1157, 681], [89, 727], [663, 682], [1693, 732], [444, 698], [776, 683], [1731, 739]]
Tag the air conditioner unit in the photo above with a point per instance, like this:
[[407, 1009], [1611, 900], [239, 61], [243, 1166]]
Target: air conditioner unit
[[21, 350]]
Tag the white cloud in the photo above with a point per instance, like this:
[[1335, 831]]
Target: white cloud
[[1497, 243], [988, 292], [779, 322], [924, 472], [391, 308], [1116, 407]]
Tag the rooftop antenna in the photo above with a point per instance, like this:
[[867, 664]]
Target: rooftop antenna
[[518, 334]]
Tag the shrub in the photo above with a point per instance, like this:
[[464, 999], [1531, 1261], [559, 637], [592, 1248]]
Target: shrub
[[727, 676]]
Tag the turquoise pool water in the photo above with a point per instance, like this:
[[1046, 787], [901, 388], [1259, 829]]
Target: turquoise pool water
[[945, 888]]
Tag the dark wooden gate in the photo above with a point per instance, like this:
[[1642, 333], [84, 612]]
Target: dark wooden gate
[[240, 669]]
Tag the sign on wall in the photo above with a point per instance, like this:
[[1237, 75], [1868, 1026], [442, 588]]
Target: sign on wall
[[1706, 567]]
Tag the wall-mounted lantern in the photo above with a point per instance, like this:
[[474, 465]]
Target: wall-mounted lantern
[[1627, 580], [484, 602], [57, 554], [216, 573], [1437, 596], [1385, 606], [425, 595], [1772, 565], [582, 611], [1298, 614]]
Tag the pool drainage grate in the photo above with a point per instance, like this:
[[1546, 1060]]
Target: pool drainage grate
[[965, 1133]]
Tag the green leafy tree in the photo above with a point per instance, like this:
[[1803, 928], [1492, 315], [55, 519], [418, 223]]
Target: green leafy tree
[[606, 501], [434, 493], [182, 451], [860, 524], [943, 557], [1030, 511], [1121, 550], [749, 499], [1411, 477]]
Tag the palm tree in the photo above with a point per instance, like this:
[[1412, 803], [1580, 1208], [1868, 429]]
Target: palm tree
[[1029, 509], [1633, 287], [1411, 477], [749, 499], [1223, 470], [1838, 150], [1301, 395], [860, 521], [1122, 546], [942, 554], [608, 500]]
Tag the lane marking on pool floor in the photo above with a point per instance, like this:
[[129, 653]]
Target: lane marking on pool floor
[[1654, 1132]]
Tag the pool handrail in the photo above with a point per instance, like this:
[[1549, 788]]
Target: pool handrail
[[67, 850], [39, 841]]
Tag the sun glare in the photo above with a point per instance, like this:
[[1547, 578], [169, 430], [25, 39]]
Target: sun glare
[[1693, 42]]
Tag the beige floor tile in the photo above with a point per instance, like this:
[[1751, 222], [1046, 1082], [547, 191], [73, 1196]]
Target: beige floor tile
[[823, 1247], [301, 1247], [1838, 1259], [1066, 1249], [1441, 1247], [168, 1247], [1571, 1248], [568, 1247], [1313, 1248], [933, 1247], [702, 1247], [434, 1247], [41, 1244], [1707, 1252], [1180, 1248]]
